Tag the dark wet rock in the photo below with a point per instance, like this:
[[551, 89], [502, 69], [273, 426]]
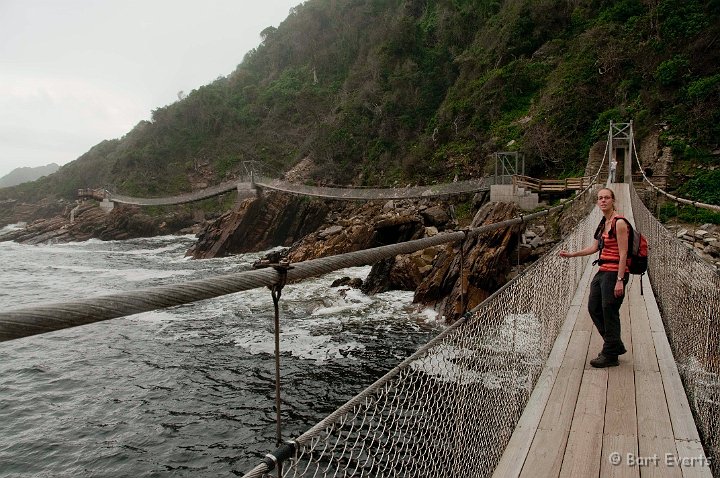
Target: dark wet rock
[[355, 282], [435, 216], [487, 260], [260, 223], [83, 221]]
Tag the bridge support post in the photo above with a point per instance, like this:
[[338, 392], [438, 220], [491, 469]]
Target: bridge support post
[[509, 193], [243, 192], [107, 205]]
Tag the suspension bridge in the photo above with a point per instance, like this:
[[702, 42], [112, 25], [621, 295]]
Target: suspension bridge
[[252, 185], [506, 390]]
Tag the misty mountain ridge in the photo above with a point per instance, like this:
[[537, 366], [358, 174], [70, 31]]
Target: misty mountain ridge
[[27, 174]]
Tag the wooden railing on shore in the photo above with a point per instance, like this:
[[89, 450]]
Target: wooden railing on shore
[[659, 180], [98, 194], [551, 185], [574, 184]]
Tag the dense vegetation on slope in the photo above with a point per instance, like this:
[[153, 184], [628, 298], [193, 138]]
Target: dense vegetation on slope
[[392, 91]]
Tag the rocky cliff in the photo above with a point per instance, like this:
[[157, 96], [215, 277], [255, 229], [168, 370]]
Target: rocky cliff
[[463, 275], [312, 229], [63, 221], [260, 223]]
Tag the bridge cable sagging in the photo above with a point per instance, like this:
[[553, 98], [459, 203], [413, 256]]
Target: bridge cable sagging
[[460, 395]]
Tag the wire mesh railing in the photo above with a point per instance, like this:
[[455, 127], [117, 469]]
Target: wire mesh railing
[[687, 290], [451, 408]]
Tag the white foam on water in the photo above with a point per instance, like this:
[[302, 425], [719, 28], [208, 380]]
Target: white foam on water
[[429, 315], [518, 335], [147, 252], [157, 316], [130, 275], [441, 362], [446, 363], [13, 227], [162, 319], [120, 248], [322, 314], [344, 301], [298, 342]]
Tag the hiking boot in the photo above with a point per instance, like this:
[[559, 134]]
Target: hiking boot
[[602, 361]]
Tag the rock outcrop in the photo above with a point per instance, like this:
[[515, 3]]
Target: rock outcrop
[[486, 262], [365, 227], [705, 240], [13, 211], [260, 223], [83, 221]]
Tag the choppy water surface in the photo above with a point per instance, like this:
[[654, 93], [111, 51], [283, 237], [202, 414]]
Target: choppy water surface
[[187, 391]]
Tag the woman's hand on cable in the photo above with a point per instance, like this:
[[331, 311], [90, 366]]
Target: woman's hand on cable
[[565, 253]]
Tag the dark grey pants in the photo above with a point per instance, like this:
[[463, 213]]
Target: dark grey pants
[[604, 310]]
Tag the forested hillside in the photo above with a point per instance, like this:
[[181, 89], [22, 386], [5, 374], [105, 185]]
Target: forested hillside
[[381, 92]]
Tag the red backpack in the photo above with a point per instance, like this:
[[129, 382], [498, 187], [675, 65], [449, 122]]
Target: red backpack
[[637, 248]]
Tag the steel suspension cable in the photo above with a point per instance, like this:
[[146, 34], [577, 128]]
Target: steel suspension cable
[[712, 207]]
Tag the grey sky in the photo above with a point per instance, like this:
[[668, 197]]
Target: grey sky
[[76, 72]]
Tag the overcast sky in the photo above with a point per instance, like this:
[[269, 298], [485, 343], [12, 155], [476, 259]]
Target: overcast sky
[[76, 72]]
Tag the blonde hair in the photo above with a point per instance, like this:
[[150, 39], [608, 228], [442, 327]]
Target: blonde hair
[[612, 193]]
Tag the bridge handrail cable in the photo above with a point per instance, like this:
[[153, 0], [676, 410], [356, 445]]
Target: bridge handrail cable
[[437, 190], [712, 207], [437, 408], [687, 290]]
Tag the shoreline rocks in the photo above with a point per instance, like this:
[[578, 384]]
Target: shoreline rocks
[[704, 240], [75, 222]]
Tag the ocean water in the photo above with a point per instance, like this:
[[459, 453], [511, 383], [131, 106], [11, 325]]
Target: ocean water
[[186, 391]]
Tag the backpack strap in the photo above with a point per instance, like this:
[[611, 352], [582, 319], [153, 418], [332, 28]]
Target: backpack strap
[[611, 233], [631, 231], [598, 236]]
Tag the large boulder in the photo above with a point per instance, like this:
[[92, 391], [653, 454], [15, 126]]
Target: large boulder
[[260, 223], [453, 283], [435, 216]]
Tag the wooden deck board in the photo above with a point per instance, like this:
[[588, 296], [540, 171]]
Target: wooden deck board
[[623, 445], [543, 460], [581, 457], [620, 416], [644, 354], [684, 427], [586, 432], [653, 461], [561, 403], [695, 466]]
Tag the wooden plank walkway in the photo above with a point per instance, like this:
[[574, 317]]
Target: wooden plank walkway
[[627, 421]]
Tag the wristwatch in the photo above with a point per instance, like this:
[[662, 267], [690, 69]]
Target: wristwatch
[[620, 279]]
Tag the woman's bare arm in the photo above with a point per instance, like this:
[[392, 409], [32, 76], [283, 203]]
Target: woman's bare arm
[[592, 248]]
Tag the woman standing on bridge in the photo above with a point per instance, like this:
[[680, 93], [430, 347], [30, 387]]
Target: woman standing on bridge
[[607, 289]]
